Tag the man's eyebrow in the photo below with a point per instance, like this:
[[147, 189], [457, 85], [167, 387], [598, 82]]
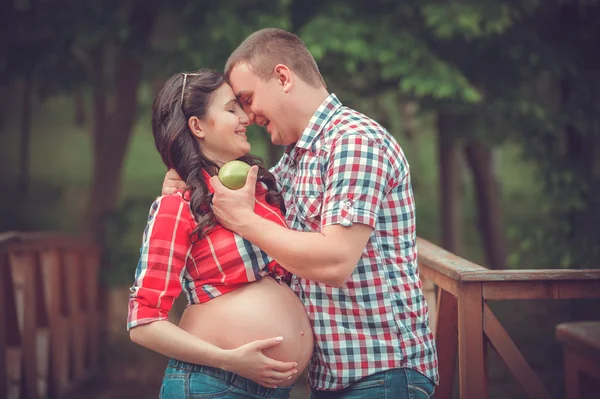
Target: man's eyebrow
[[241, 93]]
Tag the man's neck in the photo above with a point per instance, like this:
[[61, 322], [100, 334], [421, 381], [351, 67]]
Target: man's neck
[[309, 100]]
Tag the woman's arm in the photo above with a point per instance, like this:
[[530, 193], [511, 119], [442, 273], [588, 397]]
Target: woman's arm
[[164, 252], [248, 360]]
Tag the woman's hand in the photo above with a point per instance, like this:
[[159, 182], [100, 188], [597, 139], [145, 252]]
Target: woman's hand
[[250, 362]]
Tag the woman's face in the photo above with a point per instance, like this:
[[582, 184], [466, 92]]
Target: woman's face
[[223, 131]]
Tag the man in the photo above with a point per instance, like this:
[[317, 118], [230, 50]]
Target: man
[[352, 241]]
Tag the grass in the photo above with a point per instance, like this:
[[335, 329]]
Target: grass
[[60, 180]]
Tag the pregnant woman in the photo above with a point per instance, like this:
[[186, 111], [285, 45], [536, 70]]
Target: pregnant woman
[[245, 334]]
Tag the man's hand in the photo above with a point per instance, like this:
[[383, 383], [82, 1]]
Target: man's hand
[[250, 362], [172, 183], [234, 208]]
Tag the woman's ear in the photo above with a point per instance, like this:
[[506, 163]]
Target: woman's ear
[[195, 126]]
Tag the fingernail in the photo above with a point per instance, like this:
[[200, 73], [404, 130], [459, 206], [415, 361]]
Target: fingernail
[[279, 339], [295, 371], [295, 364], [290, 377]]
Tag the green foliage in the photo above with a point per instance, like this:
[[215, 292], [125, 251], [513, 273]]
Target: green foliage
[[521, 72]]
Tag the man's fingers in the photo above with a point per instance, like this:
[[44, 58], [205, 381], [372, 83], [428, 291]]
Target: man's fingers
[[251, 178], [216, 183]]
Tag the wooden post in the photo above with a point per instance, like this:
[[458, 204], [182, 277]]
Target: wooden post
[[4, 290], [77, 329], [22, 265], [91, 266], [470, 342], [42, 329], [446, 341], [51, 272]]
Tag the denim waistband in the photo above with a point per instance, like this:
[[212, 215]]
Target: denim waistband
[[231, 378]]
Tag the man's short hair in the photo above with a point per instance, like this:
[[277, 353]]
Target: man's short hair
[[266, 48]]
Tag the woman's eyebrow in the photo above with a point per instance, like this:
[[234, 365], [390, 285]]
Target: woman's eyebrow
[[233, 100]]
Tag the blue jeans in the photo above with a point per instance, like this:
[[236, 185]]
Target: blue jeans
[[389, 384], [192, 381]]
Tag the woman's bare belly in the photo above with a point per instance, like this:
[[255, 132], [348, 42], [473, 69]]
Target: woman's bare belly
[[260, 310]]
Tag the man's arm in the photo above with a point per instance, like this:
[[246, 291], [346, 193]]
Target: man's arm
[[351, 203], [329, 256]]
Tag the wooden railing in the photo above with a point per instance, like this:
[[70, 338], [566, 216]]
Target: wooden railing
[[50, 314], [465, 323]]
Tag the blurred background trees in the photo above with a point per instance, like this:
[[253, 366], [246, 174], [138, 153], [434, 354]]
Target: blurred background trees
[[494, 102], [470, 81]]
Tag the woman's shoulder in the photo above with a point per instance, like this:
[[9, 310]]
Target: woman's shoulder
[[174, 204]]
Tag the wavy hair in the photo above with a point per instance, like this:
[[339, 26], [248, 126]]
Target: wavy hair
[[182, 151]]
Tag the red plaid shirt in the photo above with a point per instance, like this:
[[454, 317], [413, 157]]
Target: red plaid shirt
[[169, 261], [348, 169]]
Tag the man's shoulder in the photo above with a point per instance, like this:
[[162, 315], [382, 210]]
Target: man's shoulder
[[348, 121]]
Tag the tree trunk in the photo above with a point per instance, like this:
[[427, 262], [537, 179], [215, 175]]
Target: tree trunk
[[450, 185], [489, 203], [112, 132], [79, 106], [25, 139], [409, 110], [111, 137]]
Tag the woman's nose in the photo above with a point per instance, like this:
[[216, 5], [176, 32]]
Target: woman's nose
[[244, 119]]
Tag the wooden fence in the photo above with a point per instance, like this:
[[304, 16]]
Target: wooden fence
[[51, 315], [465, 324]]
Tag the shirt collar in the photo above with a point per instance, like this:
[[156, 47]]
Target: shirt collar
[[318, 121], [207, 177]]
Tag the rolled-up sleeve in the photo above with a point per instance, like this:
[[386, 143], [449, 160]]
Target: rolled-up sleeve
[[163, 255], [358, 177]]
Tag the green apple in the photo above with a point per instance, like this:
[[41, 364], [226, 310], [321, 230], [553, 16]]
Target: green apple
[[233, 174]]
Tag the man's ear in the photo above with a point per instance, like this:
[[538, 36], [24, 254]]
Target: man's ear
[[195, 126], [284, 77]]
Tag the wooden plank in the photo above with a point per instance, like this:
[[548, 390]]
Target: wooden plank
[[5, 280], [12, 349], [42, 330], [444, 262], [53, 277], [93, 311], [571, 369], [471, 362], [37, 241], [446, 335], [513, 358], [77, 331], [568, 289], [584, 335], [531, 275], [22, 266], [441, 280], [582, 373]]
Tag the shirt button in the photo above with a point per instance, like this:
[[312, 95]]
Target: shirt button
[[295, 281], [348, 204]]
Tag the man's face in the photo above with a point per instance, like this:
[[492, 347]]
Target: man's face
[[264, 102]]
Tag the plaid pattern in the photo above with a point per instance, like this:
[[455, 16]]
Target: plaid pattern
[[219, 263], [348, 169]]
